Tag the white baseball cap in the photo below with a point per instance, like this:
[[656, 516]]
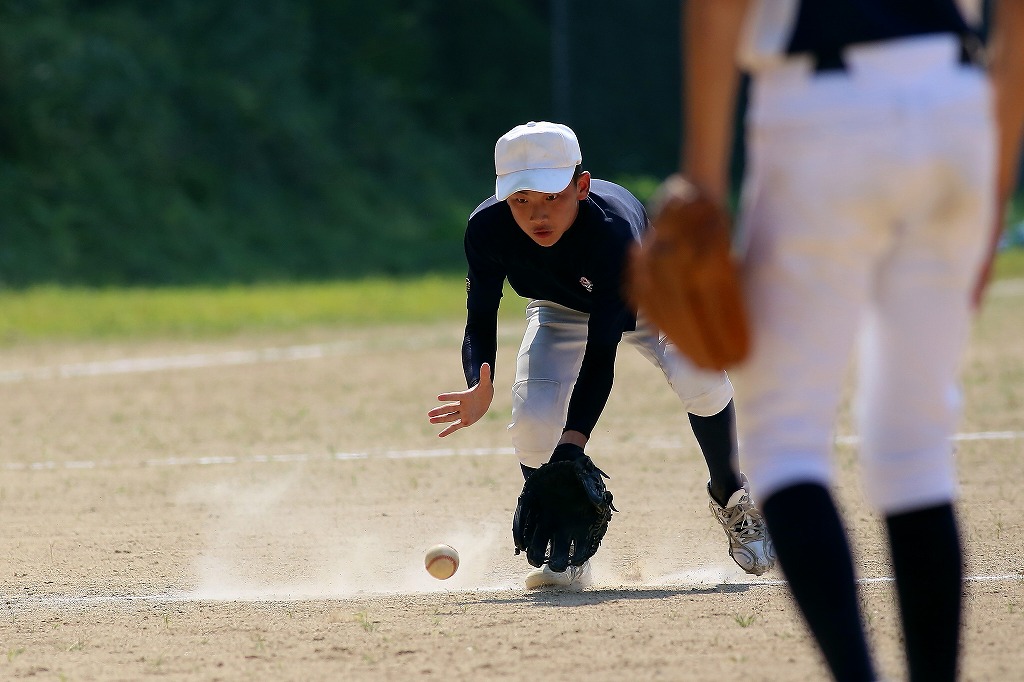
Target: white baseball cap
[[538, 156]]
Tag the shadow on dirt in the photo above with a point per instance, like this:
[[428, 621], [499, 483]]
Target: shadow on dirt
[[564, 597]]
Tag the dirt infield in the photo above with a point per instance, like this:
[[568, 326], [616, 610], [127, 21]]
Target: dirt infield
[[258, 507]]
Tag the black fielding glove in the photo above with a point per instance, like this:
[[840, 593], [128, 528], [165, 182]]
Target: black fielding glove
[[565, 506]]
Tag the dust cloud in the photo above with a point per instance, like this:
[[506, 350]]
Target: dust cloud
[[261, 544]]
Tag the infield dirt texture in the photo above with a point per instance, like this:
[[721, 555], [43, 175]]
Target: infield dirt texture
[[257, 508]]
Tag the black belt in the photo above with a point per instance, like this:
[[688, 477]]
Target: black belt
[[831, 59]]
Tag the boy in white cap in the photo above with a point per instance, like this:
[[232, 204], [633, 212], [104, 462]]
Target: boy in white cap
[[561, 239]]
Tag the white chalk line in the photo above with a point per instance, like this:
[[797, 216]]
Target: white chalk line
[[282, 354], [172, 362], [1014, 287], [1007, 287], [17, 601], [315, 351], [226, 460], [50, 465]]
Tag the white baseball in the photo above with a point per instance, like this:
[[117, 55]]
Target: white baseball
[[441, 561]]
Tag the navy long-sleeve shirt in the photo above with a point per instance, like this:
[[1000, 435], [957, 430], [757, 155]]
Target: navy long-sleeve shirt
[[583, 271]]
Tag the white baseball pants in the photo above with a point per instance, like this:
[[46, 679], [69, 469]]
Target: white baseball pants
[[549, 363], [866, 211]]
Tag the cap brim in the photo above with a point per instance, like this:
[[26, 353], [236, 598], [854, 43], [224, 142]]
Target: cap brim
[[533, 179]]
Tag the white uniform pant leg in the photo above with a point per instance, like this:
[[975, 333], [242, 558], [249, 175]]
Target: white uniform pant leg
[[855, 209], [702, 393], [919, 323], [805, 274], [546, 370]]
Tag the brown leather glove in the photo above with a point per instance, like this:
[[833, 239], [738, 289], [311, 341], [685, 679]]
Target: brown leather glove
[[684, 280]]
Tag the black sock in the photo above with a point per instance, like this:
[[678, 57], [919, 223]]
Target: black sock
[[928, 563], [814, 554], [716, 436]]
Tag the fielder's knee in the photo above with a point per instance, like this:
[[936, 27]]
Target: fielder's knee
[[711, 402], [534, 440], [537, 420]]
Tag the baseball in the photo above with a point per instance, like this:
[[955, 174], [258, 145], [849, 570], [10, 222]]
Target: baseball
[[441, 561]]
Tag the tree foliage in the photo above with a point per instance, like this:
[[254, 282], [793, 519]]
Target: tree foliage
[[192, 141]]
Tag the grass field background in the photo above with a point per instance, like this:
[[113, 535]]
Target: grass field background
[[50, 313]]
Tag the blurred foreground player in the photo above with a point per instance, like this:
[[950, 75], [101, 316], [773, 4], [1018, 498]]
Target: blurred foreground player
[[879, 154]]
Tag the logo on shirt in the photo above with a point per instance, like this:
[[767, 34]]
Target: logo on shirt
[[467, 285], [587, 284]]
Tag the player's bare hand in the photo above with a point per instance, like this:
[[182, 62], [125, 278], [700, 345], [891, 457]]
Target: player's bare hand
[[464, 408]]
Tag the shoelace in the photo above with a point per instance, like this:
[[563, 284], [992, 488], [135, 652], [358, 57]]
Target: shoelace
[[744, 520]]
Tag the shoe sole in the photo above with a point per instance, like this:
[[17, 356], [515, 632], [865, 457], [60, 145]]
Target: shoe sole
[[539, 578]]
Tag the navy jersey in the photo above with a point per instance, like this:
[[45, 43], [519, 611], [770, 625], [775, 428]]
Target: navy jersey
[[777, 28], [583, 271]]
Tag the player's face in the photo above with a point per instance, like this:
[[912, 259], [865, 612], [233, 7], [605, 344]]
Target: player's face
[[545, 217]]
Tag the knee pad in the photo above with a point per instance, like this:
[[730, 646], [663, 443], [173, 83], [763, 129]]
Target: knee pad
[[538, 417], [702, 392], [712, 401]]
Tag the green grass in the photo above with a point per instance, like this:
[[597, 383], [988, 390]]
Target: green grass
[[56, 313], [53, 313], [1010, 264]]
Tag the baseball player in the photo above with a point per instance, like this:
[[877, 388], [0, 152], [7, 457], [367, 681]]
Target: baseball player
[[561, 240], [874, 168]]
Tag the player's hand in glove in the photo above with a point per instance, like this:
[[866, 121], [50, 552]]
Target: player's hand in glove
[[683, 279], [564, 506]]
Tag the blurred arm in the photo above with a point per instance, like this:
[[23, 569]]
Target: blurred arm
[[1006, 70], [711, 31]]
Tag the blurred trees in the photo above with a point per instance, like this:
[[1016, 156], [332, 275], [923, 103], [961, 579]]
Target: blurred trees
[[193, 141]]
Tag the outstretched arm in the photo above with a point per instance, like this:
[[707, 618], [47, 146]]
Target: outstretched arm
[[479, 348]]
